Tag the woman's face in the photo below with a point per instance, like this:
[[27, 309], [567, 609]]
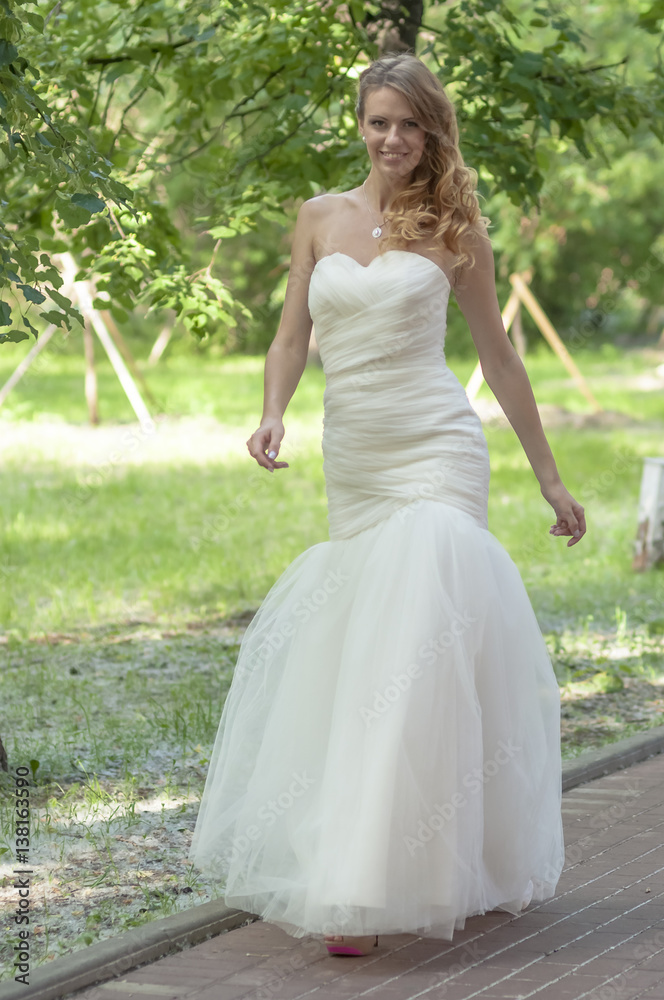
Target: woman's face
[[395, 138]]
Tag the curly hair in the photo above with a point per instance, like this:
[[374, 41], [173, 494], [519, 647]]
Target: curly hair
[[440, 201]]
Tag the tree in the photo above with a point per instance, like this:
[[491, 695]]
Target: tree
[[247, 108]]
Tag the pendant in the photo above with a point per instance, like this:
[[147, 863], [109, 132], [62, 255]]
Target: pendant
[[377, 232]]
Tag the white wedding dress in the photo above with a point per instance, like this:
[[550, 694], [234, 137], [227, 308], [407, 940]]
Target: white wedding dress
[[388, 757]]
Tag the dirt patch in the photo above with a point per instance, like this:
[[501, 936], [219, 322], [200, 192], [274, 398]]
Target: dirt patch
[[592, 721], [553, 417]]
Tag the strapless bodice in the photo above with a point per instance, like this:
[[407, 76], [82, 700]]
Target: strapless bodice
[[397, 423], [377, 319]]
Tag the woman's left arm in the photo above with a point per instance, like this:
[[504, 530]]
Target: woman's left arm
[[504, 373]]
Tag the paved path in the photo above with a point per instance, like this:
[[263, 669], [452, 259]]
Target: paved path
[[601, 938]]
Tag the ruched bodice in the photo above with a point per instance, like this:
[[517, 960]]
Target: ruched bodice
[[397, 424], [388, 757]]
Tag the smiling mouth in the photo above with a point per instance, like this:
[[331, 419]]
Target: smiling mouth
[[393, 156]]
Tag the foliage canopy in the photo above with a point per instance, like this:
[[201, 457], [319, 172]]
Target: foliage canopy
[[108, 105]]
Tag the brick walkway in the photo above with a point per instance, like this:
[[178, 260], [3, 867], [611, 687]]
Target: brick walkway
[[601, 938]]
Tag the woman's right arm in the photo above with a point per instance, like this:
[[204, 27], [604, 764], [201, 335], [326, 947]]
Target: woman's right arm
[[287, 355]]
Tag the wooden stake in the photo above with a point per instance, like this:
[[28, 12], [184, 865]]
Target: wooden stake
[[549, 333], [82, 293], [123, 347], [90, 376], [160, 345], [518, 338], [22, 368]]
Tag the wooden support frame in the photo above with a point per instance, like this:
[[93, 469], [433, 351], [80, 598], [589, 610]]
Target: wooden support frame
[[79, 291], [22, 368], [522, 294]]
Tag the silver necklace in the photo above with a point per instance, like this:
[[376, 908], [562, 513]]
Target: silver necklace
[[377, 231]]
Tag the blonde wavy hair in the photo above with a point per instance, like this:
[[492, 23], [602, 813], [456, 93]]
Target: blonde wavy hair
[[441, 201]]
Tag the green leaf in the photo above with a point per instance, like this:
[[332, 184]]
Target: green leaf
[[528, 64], [72, 215], [59, 299], [8, 53], [14, 336], [222, 232], [31, 294], [119, 69], [26, 322], [89, 202], [5, 314], [35, 20], [119, 315], [55, 317], [649, 18]]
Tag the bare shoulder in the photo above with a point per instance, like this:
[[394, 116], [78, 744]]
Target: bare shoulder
[[322, 205], [310, 217], [314, 219], [476, 242], [317, 210], [323, 202], [330, 219]]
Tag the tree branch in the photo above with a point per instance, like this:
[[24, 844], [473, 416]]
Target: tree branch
[[223, 123], [129, 107], [156, 48]]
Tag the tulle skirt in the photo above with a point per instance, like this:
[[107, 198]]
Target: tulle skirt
[[388, 757]]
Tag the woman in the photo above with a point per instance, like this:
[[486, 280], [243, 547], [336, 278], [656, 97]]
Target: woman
[[388, 758]]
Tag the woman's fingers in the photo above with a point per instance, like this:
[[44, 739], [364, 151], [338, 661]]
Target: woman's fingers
[[571, 521], [577, 522], [582, 520], [263, 445]]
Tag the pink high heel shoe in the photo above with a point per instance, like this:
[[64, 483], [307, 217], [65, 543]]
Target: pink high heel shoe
[[338, 945]]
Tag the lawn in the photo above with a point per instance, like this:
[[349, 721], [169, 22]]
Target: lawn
[[131, 561]]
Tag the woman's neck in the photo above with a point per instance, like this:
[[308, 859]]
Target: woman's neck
[[381, 193]]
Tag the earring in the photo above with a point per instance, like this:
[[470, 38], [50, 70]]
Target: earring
[[364, 138]]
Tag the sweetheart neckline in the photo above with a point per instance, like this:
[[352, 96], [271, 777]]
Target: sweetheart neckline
[[365, 267]]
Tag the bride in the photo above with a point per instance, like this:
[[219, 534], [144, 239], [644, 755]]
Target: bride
[[388, 756]]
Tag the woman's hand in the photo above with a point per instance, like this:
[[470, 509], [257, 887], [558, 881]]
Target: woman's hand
[[570, 516], [264, 444]]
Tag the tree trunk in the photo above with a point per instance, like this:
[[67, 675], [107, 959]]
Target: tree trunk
[[3, 757], [393, 30], [649, 544]]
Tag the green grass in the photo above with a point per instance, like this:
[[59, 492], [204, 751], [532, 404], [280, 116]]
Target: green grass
[[138, 530]]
